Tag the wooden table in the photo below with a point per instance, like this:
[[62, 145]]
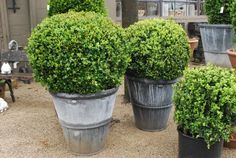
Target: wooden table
[[23, 75]]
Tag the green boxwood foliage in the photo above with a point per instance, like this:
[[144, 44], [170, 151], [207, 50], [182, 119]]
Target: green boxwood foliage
[[233, 16], [205, 103], [159, 49], [63, 6], [78, 52], [212, 10]]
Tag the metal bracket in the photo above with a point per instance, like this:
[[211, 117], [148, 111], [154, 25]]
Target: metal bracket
[[14, 8]]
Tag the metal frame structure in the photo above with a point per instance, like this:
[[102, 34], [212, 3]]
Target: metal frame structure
[[198, 3]]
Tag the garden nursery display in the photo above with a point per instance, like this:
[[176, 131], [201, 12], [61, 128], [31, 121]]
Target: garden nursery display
[[159, 54], [205, 107], [217, 36], [79, 58]]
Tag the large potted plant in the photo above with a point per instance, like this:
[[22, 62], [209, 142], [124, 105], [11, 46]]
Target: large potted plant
[[205, 103], [232, 51], [81, 59], [217, 36], [159, 53], [63, 6]]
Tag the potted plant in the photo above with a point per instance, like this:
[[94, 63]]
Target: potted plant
[[205, 104], [159, 54], [63, 6], [232, 52], [232, 57], [193, 43], [217, 36], [81, 59]]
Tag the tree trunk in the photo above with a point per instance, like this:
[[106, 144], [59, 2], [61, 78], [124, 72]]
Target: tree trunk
[[129, 16], [129, 12]]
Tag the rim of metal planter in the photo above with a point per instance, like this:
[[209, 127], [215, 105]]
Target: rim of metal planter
[[216, 25], [101, 94], [150, 81]]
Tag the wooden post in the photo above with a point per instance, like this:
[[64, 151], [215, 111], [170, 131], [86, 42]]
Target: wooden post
[[129, 12], [129, 16], [5, 25], [33, 17]]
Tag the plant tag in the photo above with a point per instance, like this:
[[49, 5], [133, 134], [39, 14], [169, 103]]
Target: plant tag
[[221, 10]]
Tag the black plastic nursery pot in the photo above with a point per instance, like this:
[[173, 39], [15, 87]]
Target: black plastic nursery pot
[[190, 147], [151, 101]]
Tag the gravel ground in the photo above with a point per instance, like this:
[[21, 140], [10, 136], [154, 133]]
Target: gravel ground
[[29, 129]]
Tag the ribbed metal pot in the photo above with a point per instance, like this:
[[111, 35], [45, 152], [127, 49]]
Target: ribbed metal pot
[[216, 39], [85, 119], [151, 101]]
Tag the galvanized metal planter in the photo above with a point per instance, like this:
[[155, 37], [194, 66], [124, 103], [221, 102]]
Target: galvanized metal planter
[[85, 119], [216, 39], [151, 101]]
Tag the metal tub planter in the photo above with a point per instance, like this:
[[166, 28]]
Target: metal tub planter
[[85, 119], [81, 74], [151, 101], [160, 53], [216, 39]]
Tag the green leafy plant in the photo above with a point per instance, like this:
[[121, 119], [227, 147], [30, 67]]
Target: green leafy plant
[[233, 16], [78, 53], [63, 6], [205, 103], [213, 11], [233, 129], [159, 49]]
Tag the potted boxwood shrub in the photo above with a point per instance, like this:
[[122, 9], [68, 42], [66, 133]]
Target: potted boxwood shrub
[[205, 103], [159, 54], [63, 6], [81, 59], [217, 36], [232, 52]]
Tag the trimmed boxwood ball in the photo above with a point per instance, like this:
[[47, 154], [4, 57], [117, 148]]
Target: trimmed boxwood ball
[[159, 49], [63, 6], [213, 8], [78, 53], [205, 103]]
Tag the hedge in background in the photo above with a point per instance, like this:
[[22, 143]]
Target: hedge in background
[[213, 8], [233, 16], [63, 6], [78, 53], [205, 103], [159, 49]]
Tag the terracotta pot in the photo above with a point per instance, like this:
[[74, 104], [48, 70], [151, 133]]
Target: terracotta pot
[[231, 143], [232, 57], [193, 42]]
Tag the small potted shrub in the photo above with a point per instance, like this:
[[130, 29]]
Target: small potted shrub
[[232, 52], [63, 6], [159, 54], [205, 103], [217, 36], [81, 59]]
